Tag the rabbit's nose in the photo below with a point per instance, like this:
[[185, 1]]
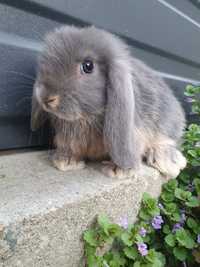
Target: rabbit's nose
[[52, 101]]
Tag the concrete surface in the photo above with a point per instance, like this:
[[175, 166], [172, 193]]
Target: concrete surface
[[43, 212]]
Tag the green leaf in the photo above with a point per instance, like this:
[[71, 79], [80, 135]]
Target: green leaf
[[151, 256], [109, 229], [131, 253], [167, 197], [197, 185], [92, 261], [161, 258], [144, 215], [184, 177], [146, 239], [117, 260], [90, 237], [114, 230], [189, 90], [182, 195], [180, 253], [171, 185], [166, 229], [184, 238], [171, 207], [193, 202], [127, 239], [157, 263], [170, 240], [138, 238], [146, 196], [104, 223], [176, 217], [154, 259], [150, 205], [91, 258], [192, 153], [108, 257], [195, 163], [137, 264], [172, 210], [192, 224], [195, 107]]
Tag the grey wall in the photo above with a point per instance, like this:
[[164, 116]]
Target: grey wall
[[165, 34]]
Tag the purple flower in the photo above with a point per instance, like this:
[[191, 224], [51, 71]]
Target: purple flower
[[124, 222], [157, 222], [142, 248], [198, 238], [160, 205], [143, 232], [176, 227]]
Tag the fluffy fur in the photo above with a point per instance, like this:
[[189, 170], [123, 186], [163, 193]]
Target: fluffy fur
[[122, 110]]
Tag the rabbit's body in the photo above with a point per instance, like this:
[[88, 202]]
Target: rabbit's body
[[82, 139], [103, 103]]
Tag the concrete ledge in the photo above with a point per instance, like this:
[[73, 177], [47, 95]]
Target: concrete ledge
[[43, 212]]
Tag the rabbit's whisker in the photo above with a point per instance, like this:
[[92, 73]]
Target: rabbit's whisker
[[25, 75]]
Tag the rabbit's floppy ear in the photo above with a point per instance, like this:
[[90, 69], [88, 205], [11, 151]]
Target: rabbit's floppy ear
[[119, 115], [38, 115]]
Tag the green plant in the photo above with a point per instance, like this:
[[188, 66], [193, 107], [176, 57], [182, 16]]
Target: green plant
[[167, 232]]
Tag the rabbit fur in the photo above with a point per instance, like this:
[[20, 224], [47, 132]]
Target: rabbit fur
[[121, 111]]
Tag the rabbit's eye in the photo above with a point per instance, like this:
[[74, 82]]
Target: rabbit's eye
[[87, 66]]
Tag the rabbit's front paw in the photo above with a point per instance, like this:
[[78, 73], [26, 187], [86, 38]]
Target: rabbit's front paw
[[68, 164], [167, 159], [112, 170]]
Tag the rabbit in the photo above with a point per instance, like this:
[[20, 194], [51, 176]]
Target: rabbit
[[105, 104]]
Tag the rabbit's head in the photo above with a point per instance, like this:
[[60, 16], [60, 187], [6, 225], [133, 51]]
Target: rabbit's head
[[85, 72]]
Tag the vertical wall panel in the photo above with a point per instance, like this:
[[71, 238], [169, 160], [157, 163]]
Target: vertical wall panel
[[165, 34]]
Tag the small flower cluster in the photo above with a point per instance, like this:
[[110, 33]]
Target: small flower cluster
[[123, 222], [142, 248], [157, 222], [143, 232]]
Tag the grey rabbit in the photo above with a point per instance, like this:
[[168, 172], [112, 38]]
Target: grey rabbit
[[105, 104]]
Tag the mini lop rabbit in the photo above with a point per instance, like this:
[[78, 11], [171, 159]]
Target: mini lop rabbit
[[104, 103]]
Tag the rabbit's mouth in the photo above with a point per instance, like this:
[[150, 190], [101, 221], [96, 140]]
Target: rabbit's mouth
[[52, 104]]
